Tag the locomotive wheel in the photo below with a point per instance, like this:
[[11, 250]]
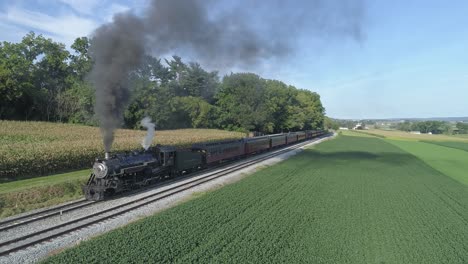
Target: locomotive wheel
[[98, 196], [94, 196]]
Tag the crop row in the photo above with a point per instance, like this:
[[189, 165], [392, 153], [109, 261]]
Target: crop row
[[450, 144], [353, 200], [38, 148]]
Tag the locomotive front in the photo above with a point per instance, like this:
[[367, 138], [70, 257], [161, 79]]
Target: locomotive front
[[121, 172]]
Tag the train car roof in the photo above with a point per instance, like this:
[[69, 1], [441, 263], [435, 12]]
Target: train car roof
[[257, 138], [167, 148], [215, 143]]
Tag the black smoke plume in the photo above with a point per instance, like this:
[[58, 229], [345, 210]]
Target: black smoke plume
[[233, 36], [117, 49]]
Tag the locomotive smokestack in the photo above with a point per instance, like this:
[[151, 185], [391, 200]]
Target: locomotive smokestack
[[107, 155]]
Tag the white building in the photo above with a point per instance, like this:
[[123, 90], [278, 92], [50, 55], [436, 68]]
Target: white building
[[358, 126]]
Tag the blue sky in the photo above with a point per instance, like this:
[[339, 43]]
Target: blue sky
[[412, 60]]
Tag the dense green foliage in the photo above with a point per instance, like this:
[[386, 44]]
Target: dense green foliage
[[462, 128], [352, 200], [329, 123], [41, 80]]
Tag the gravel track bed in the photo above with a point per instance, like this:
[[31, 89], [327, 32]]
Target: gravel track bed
[[38, 210], [42, 250]]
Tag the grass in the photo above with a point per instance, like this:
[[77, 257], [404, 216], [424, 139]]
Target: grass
[[22, 199], [350, 200], [30, 149], [21, 185], [25, 195]]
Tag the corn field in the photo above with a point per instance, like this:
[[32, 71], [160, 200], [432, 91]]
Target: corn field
[[30, 149]]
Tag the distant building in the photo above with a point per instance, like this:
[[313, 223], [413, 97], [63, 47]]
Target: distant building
[[343, 128], [358, 126]]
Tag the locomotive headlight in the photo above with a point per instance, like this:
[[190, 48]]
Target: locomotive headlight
[[100, 170]]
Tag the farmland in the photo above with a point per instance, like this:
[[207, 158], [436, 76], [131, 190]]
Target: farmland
[[395, 134], [451, 144], [349, 200], [29, 149], [38, 148], [452, 162]]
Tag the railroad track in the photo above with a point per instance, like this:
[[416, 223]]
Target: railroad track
[[29, 218], [43, 214], [34, 238]]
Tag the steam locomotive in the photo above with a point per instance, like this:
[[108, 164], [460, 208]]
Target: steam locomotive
[[122, 172]]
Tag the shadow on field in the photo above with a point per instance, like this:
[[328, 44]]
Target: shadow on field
[[356, 156]]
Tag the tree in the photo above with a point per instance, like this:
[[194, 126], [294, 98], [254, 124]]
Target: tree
[[278, 98], [306, 111], [241, 101], [41, 80], [50, 75], [405, 126], [329, 123], [80, 62], [16, 81], [462, 127], [32, 74], [193, 112], [312, 106]]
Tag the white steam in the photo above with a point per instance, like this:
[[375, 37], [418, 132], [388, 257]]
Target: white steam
[[146, 122]]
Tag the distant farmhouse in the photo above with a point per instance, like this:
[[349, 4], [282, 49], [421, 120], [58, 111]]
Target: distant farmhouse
[[359, 126]]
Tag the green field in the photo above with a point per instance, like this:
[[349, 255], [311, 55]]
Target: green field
[[349, 200], [451, 144], [450, 161], [402, 135]]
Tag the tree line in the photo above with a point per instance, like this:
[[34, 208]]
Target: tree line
[[434, 127], [41, 80]]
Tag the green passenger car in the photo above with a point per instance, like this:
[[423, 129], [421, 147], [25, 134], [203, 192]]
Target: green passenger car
[[187, 160]]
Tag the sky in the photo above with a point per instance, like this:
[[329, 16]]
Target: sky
[[410, 58]]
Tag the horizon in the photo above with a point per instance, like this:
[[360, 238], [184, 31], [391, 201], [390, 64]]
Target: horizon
[[388, 59]]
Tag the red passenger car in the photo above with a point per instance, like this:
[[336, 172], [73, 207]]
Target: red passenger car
[[301, 135], [257, 144], [291, 138], [278, 140]]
